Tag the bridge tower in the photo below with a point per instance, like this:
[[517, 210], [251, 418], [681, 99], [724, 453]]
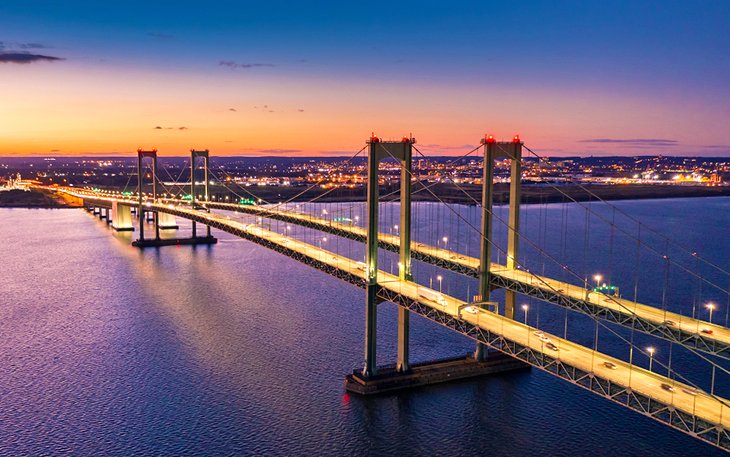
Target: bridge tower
[[141, 155], [494, 150], [204, 154], [379, 150]]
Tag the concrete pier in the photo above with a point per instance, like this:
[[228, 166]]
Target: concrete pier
[[389, 379], [166, 221], [122, 217], [150, 243]]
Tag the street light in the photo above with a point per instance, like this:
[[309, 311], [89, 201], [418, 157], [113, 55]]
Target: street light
[[525, 308], [711, 307], [439, 278], [598, 279], [650, 350]]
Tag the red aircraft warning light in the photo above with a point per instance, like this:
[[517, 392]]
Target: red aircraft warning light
[[516, 139], [488, 139], [374, 138]]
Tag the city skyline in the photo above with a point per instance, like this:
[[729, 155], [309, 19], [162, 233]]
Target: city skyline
[[279, 80]]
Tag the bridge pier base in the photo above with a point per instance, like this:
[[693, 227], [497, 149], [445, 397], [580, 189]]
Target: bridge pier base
[[388, 379], [166, 221], [158, 242], [122, 217]]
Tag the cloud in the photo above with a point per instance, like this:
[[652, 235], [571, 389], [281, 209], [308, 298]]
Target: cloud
[[11, 44], [265, 108], [232, 109], [32, 46], [26, 58], [234, 65], [300, 110], [716, 146], [55, 150], [161, 36], [170, 128], [633, 142]]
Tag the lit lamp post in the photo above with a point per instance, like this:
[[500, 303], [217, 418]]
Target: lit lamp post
[[650, 350], [711, 307], [525, 308], [598, 279], [439, 278], [445, 240]]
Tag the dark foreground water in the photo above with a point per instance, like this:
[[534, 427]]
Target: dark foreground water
[[236, 350]]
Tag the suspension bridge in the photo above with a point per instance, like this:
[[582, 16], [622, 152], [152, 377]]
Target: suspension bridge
[[682, 398]]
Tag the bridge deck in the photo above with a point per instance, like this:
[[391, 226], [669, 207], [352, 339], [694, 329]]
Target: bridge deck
[[668, 325], [715, 339]]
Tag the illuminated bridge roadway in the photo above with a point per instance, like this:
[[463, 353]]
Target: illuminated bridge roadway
[[678, 405], [648, 319]]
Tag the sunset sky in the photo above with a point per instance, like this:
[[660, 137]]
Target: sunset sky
[[315, 78]]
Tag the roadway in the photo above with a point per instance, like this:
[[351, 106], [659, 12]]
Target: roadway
[[666, 323]]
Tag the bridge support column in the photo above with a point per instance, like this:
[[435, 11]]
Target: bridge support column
[[121, 217], [371, 263], [485, 251], [141, 155], [166, 221], [404, 264], [513, 233], [492, 151], [377, 151], [205, 155]]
